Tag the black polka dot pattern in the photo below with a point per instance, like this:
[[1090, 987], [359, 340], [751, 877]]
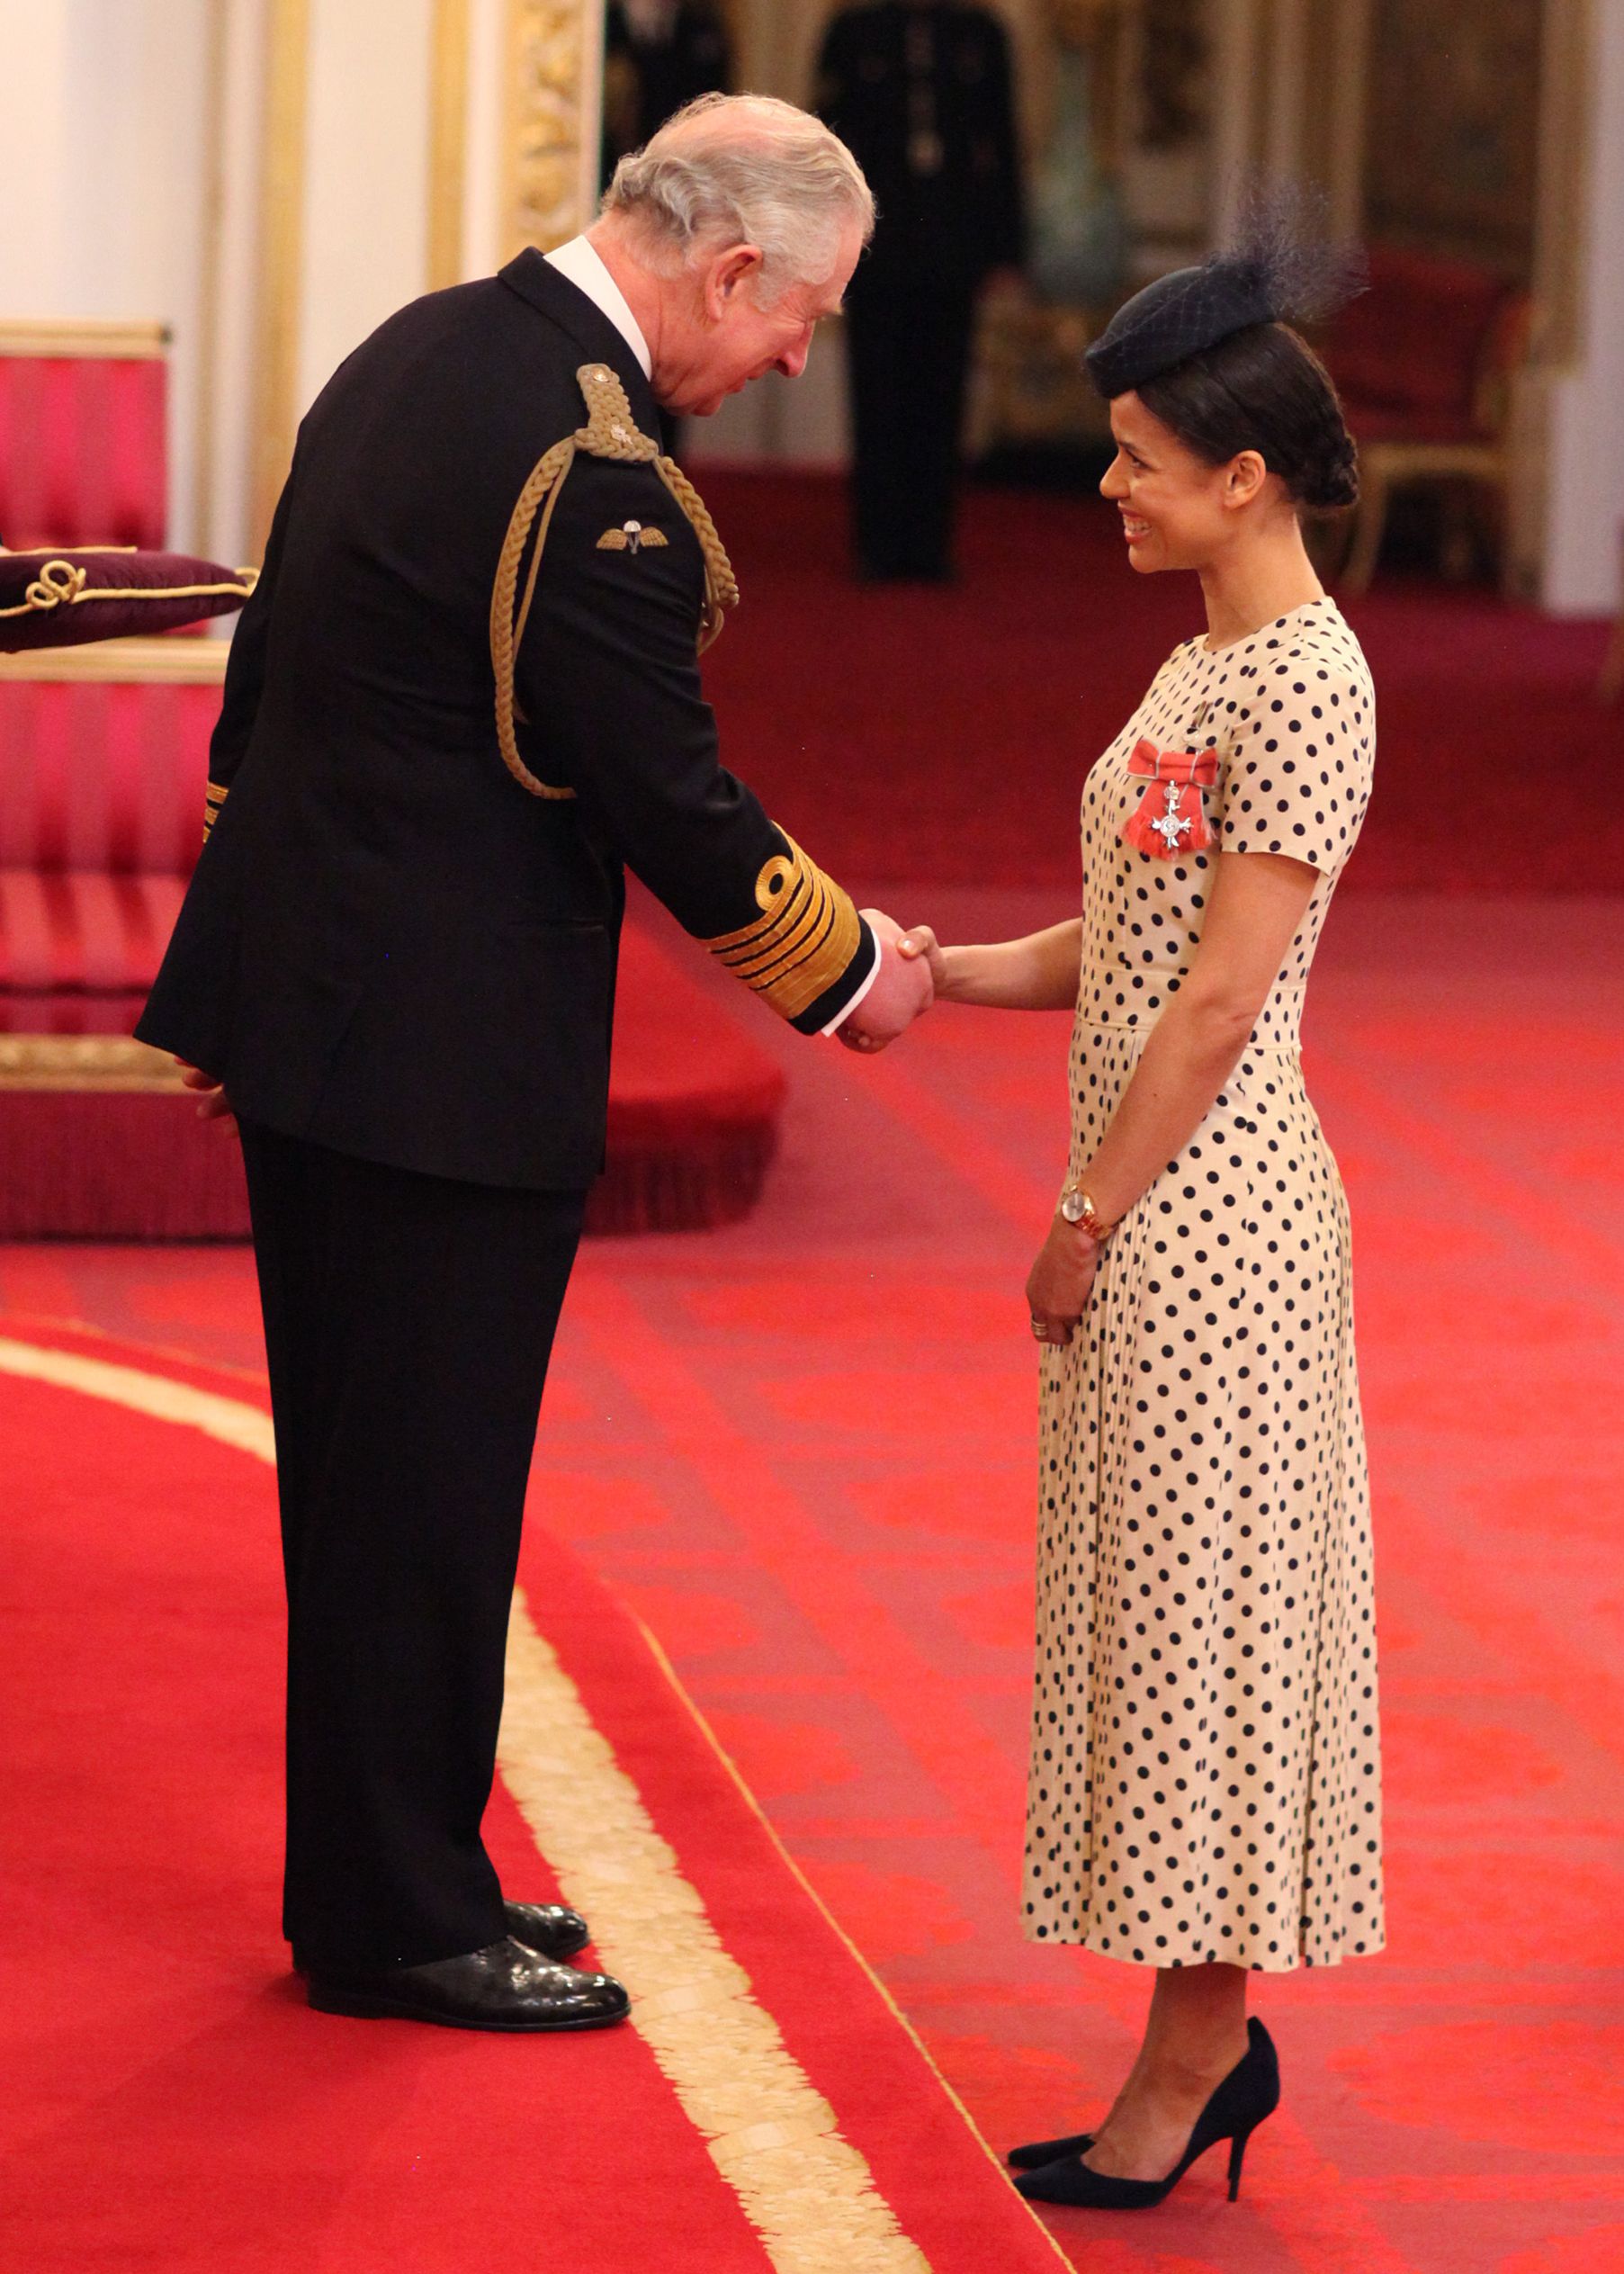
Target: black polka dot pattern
[[1206, 1772]]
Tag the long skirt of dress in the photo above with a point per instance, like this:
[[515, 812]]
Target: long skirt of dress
[[1206, 1778]]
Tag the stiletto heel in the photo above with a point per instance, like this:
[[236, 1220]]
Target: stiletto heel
[[1237, 2156], [1247, 2094]]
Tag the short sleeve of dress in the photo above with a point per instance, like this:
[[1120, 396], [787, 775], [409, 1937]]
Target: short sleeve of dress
[[1296, 775]]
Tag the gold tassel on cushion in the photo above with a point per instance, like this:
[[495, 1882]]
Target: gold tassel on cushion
[[610, 432], [805, 941]]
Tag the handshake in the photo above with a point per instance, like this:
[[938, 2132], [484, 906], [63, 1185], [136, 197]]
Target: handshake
[[911, 973]]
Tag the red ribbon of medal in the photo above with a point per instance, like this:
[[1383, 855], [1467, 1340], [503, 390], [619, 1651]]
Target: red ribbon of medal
[[1170, 819]]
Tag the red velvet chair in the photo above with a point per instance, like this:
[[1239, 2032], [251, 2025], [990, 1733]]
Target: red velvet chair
[[83, 455], [1425, 361]]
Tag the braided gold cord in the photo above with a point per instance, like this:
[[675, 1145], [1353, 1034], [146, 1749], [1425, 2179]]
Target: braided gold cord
[[610, 432], [545, 477], [721, 585]]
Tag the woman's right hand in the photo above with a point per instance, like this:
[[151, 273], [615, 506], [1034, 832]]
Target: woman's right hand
[[921, 942]]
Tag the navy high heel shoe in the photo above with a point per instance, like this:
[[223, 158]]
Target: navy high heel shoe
[[1249, 2094], [1036, 2153]]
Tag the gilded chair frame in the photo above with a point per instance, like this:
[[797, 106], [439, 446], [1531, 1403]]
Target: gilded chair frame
[[1484, 460]]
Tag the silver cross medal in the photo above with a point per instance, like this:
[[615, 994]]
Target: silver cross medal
[[1173, 824]]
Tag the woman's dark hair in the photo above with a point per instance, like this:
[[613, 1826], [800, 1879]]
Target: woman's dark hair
[[1263, 389]]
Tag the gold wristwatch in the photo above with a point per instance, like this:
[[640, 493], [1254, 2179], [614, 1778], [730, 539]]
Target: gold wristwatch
[[1078, 1208]]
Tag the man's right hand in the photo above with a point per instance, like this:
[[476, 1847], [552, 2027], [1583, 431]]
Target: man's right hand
[[902, 993]]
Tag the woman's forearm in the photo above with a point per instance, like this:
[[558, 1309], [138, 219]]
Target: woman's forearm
[[1188, 1056], [1038, 973]]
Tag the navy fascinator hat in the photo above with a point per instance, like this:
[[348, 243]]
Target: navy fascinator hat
[[1284, 270]]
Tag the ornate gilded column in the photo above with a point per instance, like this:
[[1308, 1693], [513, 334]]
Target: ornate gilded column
[[447, 140], [555, 69], [281, 255]]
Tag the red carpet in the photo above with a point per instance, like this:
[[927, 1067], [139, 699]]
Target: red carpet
[[173, 2104], [799, 1449], [946, 735]]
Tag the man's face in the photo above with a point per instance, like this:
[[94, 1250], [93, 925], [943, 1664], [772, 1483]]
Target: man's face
[[719, 337]]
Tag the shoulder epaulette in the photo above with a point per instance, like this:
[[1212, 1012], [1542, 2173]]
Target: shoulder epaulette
[[610, 432]]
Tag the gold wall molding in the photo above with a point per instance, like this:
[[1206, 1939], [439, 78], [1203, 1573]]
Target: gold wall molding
[[215, 38], [1565, 234], [1564, 243], [554, 63], [281, 255], [153, 659], [447, 140]]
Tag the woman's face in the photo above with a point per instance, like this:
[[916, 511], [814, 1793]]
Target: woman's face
[[1177, 511]]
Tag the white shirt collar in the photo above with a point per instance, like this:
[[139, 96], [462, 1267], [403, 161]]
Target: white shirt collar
[[581, 262]]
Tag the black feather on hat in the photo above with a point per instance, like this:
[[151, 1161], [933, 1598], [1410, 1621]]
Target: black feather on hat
[[1284, 270]]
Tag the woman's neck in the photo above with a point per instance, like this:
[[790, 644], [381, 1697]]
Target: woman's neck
[[1266, 577]]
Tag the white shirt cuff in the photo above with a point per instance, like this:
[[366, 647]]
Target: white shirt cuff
[[841, 1016]]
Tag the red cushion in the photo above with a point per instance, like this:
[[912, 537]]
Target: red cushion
[[82, 450], [1415, 341], [79, 933], [104, 775], [57, 598]]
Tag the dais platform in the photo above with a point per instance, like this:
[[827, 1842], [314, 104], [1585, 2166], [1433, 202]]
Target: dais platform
[[100, 1140]]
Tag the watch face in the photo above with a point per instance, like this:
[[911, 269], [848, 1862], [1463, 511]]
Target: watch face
[[1071, 1207]]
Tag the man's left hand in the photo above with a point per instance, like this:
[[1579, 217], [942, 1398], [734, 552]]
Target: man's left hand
[[212, 1103]]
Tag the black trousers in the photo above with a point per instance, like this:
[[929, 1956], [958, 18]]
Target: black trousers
[[909, 346], [408, 1324]]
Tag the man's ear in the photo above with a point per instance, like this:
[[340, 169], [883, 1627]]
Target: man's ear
[[728, 274]]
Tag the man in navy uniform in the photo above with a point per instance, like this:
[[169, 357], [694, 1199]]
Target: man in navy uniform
[[465, 692], [921, 90], [658, 57]]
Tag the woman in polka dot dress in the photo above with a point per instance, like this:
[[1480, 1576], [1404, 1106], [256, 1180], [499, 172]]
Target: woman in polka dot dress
[[1205, 1792]]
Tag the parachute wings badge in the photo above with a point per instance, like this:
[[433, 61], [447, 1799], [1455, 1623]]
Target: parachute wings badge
[[630, 537]]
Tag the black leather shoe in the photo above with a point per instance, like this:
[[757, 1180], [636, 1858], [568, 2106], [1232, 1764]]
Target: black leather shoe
[[1249, 2094], [502, 1987], [1037, 2152], [550, 1929]]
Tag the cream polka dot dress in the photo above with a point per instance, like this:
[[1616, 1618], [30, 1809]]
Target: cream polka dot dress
[[1206, 1778]]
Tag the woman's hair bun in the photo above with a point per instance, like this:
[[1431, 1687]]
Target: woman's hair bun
[[1330, 484]]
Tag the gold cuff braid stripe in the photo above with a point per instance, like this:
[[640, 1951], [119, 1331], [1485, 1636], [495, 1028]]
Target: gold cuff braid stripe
[[215, 797], [610, 432], [803, 943]]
